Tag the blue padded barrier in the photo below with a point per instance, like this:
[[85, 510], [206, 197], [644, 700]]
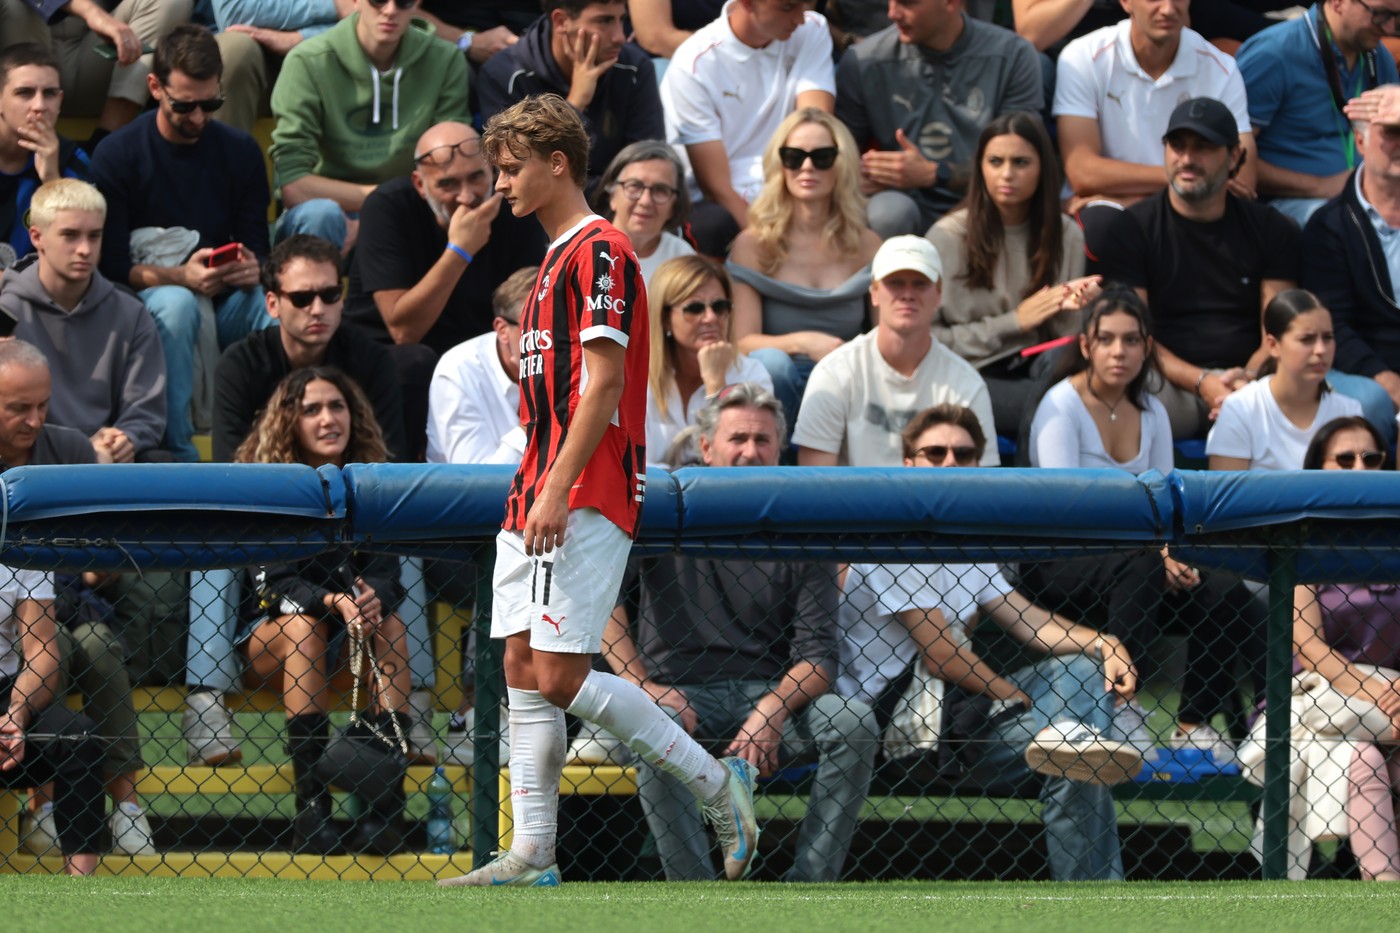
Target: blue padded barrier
[[1343, 523], [167, 516], [445, 510]]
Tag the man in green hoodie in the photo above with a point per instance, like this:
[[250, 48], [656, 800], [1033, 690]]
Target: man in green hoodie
[[350, 105]]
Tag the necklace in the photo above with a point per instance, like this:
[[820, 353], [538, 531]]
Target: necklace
[[1112, 409]]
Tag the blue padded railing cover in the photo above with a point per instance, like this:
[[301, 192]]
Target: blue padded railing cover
[[167, 516]]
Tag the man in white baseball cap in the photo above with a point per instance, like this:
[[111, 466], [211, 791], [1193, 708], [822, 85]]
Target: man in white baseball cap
[[861, 395]]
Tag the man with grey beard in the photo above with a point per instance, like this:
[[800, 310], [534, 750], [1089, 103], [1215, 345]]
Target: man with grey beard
[[1206, 262], [433, 247]]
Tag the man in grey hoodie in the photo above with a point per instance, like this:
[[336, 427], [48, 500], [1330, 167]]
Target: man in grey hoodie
[[104, 352]]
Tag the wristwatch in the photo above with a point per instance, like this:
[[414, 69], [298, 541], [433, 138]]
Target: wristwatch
[[465, 41]]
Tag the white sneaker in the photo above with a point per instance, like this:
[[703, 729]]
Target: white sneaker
[[131, 831], [208, 728], [1206, 739], [509, 870], [1081, 753], [422, 743], [38, 833], [1129, 725], [594, 745], [457, 745]]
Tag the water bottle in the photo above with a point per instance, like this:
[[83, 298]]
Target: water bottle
[[441, 838]]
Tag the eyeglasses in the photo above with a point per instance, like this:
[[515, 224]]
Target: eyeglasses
[[443, 155], [1370, 459], [329, 296], [183, 107], [822, 159], [720, 306], [1382, 19], [660, 194], [401, 4], [938, 453]]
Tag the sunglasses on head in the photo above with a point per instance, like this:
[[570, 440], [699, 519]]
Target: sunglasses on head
[[303, 299], [720, 306], [443, 155], [401, 4], [822, 159], [1370, 459], [183, 107], [938, 453]]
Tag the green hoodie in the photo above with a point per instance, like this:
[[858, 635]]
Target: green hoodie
[[338, 117]]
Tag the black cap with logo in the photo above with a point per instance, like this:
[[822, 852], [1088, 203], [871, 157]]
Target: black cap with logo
[[1208, 118]]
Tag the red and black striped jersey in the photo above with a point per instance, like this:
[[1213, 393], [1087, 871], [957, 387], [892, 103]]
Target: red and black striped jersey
[[590, 286]]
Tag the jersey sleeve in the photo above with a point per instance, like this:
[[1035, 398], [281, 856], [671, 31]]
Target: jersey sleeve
[[610, 284]]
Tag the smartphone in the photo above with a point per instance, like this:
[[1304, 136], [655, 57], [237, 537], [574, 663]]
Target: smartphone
[[223, 255], [109, 51]]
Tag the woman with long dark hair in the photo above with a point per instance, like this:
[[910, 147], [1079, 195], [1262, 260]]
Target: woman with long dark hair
[[295, 616], [1013, 262], [1102, 415]]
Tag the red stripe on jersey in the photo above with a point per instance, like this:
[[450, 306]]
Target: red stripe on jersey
[[591, 283]]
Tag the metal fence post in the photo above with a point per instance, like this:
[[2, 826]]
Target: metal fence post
[[486, 768], [1283, 577]]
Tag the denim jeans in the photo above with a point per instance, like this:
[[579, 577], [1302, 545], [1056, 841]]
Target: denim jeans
[[837, 732], [1081, 824], [238, 313], [1375, 401], [320, 217], [790, 375]]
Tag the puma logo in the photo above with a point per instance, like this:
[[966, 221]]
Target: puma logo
[[1116, 98], [545, 616], [733, 94], [901, 99], [612, 260]]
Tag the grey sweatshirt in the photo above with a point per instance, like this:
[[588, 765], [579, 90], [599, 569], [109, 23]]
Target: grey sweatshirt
[[105, 355]]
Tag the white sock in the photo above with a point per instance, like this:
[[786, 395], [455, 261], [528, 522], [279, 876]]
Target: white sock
[[625, 710], [537, 739]]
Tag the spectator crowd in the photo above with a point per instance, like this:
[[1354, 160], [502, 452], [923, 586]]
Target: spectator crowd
[[920, 233]]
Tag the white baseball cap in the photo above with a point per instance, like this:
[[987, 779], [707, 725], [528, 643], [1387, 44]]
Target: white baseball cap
[[907, 253]]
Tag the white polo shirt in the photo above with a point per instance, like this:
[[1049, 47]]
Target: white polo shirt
[[718, 88], [474, 407], [1099, 77]]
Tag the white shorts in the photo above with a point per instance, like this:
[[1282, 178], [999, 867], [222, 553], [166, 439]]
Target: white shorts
[[564, 598]]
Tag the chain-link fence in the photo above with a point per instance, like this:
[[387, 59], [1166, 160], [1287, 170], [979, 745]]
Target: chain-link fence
[[940, 674]]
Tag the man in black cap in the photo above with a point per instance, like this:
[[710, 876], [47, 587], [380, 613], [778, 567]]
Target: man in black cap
[[1207, 262]]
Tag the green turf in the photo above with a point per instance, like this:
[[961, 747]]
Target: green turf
[[119, 904]]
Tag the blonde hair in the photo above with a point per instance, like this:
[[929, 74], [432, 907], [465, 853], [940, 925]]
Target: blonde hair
[[770, 214], [64, 194], [672, 282]]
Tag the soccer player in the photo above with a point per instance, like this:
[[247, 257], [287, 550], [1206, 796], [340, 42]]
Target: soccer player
[[575, 505]]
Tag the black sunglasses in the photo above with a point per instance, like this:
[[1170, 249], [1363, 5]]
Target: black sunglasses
[[328, 296], [401, 4], [183, 107], [822, 159], [720, 306], [937, 453], [1370, 459]]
